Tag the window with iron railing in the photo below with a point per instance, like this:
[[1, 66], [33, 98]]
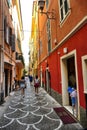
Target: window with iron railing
[[19, 56]]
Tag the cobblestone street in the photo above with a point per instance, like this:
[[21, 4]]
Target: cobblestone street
[[33, 112]]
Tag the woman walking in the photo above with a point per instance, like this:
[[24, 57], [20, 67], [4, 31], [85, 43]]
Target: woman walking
[[36, 84], [22, 85]]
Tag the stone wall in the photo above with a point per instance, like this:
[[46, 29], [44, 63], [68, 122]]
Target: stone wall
[[56, 96]]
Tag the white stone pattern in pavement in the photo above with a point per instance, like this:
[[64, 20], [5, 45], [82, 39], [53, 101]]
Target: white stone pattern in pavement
[[33, 112]]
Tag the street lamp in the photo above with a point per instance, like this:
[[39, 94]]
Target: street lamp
[[50, 15], [41, 4]]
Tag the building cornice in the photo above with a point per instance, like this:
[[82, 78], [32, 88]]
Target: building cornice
[[73, 31]]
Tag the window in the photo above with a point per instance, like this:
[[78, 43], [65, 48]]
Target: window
[[40, 47], [10, 35], [5, 25], [64, 8], [9, 3], [7, 35], [13, 42], [49, 46], [47, 3], [49, 36]]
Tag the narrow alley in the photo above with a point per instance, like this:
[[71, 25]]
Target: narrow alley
[[33, 112]]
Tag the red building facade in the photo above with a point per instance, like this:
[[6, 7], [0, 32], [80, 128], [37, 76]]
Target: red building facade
[[63, 52]]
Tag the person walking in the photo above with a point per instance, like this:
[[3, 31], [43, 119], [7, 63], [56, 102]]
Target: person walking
[[73, 96], [15, 83], [31, 79], [36, 84], [22, 85]]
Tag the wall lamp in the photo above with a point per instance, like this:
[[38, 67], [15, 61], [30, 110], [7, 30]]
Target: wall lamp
[[50, 15]]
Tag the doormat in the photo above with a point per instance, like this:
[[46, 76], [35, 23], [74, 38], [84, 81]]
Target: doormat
[[64, 115]]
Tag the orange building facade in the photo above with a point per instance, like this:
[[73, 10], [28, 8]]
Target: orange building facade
[[9, 41], [63, 52]]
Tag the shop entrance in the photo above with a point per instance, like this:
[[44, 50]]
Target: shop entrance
[[71, 74], [10, 80], [69, 78]]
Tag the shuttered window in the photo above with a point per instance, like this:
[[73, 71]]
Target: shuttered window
[[7, 35], [13, 42], [5, 25]]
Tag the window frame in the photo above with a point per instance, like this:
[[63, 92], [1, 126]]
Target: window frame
[[84, 70], [47, 4], [63, 11], [49, 48]]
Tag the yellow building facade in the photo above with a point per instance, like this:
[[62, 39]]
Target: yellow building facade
[[19, 38], [34, 40]]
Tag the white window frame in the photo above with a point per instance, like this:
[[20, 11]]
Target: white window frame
[[49, 36], [63, 9]]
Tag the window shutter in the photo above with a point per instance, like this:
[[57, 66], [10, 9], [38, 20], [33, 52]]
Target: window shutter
[[10, 36], [13, 42], [9, 3], [5, 25], [7, 34]]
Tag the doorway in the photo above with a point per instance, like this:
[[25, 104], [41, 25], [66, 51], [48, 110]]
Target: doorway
[[6, 82], [71, 74], [69, 77], [10, 88]]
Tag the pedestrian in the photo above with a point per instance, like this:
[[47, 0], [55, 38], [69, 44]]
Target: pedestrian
[[15, 82], [26, 80], [31, 79], [73, 96], [36, 83], [22, 85]]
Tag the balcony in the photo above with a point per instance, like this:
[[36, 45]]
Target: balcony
[[19, 60]]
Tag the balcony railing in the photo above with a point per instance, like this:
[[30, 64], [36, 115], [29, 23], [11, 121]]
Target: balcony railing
[[19, 56]]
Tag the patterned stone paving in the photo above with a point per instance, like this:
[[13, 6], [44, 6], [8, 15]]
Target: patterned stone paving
[[33, 112]]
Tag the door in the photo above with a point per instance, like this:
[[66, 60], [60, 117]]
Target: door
[[6, 82], [10, 80], [71, 74]]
